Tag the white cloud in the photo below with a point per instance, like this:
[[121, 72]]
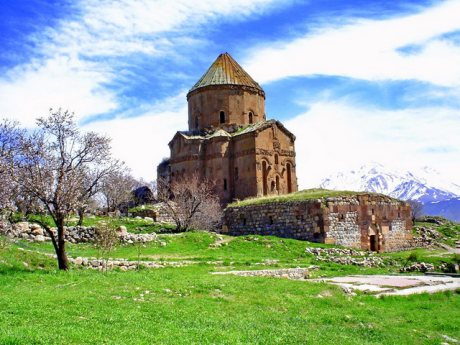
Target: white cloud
[[74, 68], [337, 135], [141, 142], [368, 49], [29, 91]]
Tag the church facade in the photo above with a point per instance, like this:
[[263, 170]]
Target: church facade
[[229, 139]]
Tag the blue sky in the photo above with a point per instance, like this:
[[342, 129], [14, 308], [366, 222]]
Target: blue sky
[[355, 81]]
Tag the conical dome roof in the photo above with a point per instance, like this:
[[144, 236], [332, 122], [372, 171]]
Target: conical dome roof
[[226, 71]]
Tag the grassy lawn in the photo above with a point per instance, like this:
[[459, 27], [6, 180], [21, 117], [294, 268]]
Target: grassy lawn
[[188, 305], [249, 252]]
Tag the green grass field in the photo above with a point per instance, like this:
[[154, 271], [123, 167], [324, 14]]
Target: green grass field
[[189, 305]]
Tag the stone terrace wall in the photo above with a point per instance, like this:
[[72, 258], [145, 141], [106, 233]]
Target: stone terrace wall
[[75, 234], [298, 220], [365, 221]]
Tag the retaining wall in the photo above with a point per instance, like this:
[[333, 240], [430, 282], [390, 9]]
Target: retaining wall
[[364, 221]]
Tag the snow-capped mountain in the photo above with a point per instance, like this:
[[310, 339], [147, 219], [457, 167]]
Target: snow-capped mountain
[[426, 186]]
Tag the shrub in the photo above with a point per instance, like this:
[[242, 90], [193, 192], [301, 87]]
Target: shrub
[[105, 240], [413, 257]]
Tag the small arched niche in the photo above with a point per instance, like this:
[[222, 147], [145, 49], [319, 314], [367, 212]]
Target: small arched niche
[[222, 117]]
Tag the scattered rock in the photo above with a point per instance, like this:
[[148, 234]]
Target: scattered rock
[[36, 229], [452, 340], [346, 257], [21, 227], [122, 231], [39, 238], [418, 267], [348, 291], [449, 268], [288, 273], [73, 234]]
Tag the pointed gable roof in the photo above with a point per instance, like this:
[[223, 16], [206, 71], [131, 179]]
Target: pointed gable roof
[[226, 71]]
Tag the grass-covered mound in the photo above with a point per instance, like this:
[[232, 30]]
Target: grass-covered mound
[[439, 228], [306, 194]]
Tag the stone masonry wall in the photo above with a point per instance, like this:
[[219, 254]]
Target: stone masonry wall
[[396, 237], [74, 234], [345, 230], [298, 220], [363, 221]]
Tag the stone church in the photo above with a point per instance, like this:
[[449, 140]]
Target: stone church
[[229, 140]]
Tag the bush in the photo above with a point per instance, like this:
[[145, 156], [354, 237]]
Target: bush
[[456, 259], [105, 240], [413, 257]]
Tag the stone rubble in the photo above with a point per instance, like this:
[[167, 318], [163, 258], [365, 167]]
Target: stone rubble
[[418, 267], [73, 234], [346, 257], [122, 264], [426, 237], [289, 273]]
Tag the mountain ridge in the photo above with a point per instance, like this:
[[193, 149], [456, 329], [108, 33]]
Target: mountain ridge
[[438, 195]]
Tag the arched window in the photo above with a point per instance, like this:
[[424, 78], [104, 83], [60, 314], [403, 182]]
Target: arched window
[[251, 120], [272, 188], [222, 117], [276, 159], [277, 184]]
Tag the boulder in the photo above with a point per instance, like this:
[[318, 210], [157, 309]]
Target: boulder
[[122, 231], [36, 229], [21, 227], [39, 238]]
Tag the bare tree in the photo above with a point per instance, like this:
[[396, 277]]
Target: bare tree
[[117, 188], [59, 166], [91, 185], [416, 209], [10, 138], [106, 239], [190, 202]]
